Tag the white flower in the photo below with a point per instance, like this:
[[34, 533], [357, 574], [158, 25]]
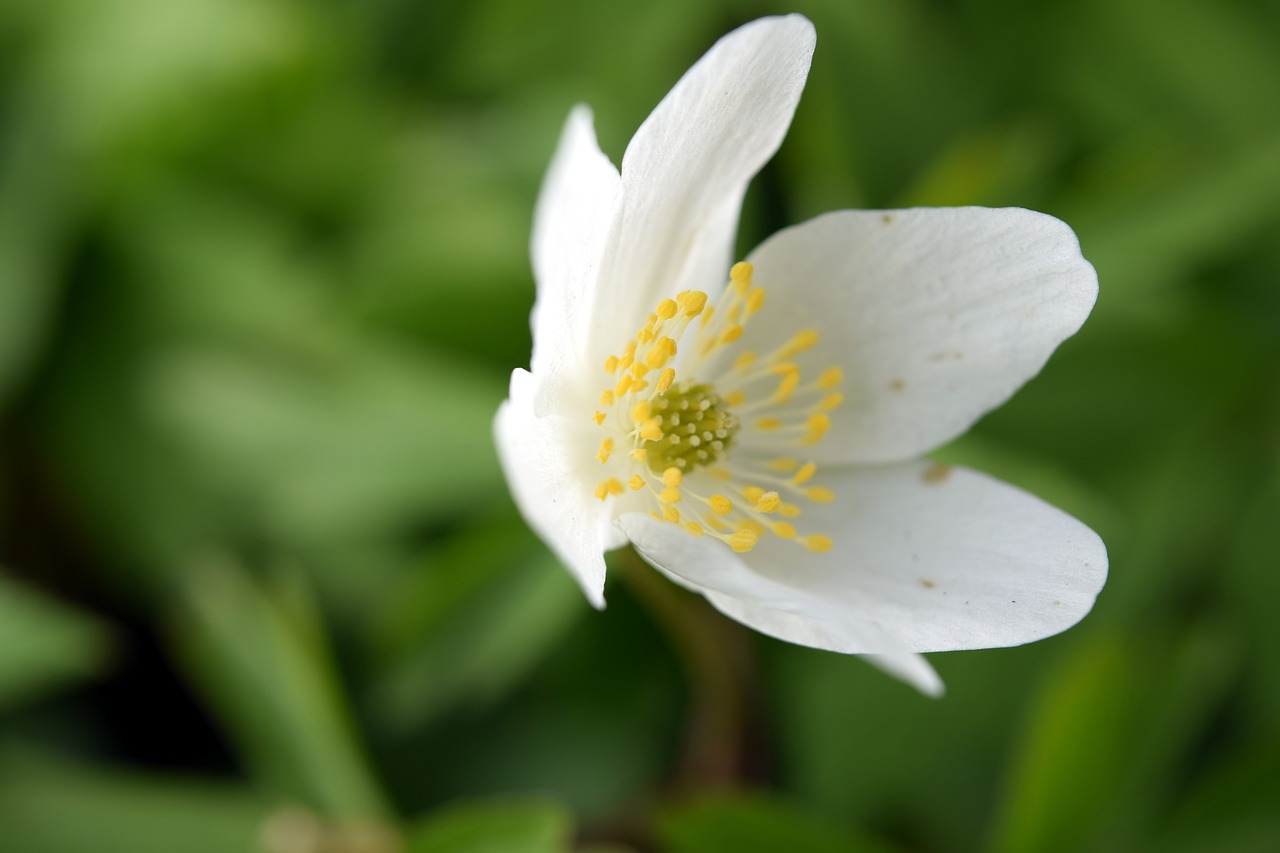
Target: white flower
[[756, 431]]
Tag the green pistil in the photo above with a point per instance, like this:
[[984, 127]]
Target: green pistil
[[697, 428]]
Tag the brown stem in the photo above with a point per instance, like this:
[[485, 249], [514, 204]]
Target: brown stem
[[716, 656]]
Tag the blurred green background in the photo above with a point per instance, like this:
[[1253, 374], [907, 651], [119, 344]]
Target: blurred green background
[[263, 275]]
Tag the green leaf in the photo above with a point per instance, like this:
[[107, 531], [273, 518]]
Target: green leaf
[[75, 809], [471, 624], [261, 659], [45, 644], [756, 823], [517, 826]]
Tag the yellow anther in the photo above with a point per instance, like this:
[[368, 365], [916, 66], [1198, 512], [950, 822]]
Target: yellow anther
[[636, 482], [742, 362], [606, 399], [639, 385], [640, 454], [782, 464], [818, 425], [753, 493], [721, 505], [692, 303], [830, 378], [719, 474], [640, 368], [801, 342], [789, 511], [817, 543], [754, 526], [768, 423], [740, 274], [731, 334], [669, 496], [606, 448], [706, 315], [640, 411], [694, 527], [830, 402], [805, 474], [784, 530], [665, 379], [666, 309], [820, 495], [769, 502], [624, 385], [743, 540], [611, 364], [662, 350], [672, 477], [644, 335], [608, 487], [671, 514], [787, 387], [598, 417], [736, 398], [651, 430], [716, 524], [755, 301], [783, 367]]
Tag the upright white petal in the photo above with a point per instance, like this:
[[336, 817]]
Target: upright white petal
[[686, 170], [576, 208], [913, 669], [935, 315], [538, 455]]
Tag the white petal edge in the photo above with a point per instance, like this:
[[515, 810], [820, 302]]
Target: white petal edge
[[577, 205], [908, 667], [926, 559], [559, 506], [687, 168], [913, 669], [936, 315]]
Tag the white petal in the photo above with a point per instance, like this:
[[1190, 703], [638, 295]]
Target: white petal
[[556, 502], [913, 669], [687, 168], [935, 315], [577, 205], [764, 603], [926, 559]]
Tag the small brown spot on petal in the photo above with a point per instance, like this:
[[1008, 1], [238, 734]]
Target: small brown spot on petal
[[898, 384], [927, 584], [887, 217], [936, 473], [1057, 602]]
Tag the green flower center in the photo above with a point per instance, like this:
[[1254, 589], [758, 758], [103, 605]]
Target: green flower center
[[697, 428]]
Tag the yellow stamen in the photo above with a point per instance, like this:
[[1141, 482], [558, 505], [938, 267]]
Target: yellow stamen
[[606, 399], [672, 477], [742, 362], [665, 379], [693, 303], [789, 511], [782, 464], [784, 530], [608, 487], [611, 364], [768, 423], [666, 309], [606, 448], [755, 301], [669, 496], [830, 378], [598, 417], [820, 495], [737, 398], [721, 505], [744, 540], [769, 502], [694, 527], [817, 543], [636, 483], [671, 514], [651, 430], [801, 342], [740, 275], [805, 474]]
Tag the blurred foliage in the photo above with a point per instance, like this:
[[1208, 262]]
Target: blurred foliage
[[262, 276]]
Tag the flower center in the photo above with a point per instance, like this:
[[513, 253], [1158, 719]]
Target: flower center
[[697, 426], [669, 442]]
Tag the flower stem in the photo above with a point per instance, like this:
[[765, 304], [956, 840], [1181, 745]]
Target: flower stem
[[719, 748]]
